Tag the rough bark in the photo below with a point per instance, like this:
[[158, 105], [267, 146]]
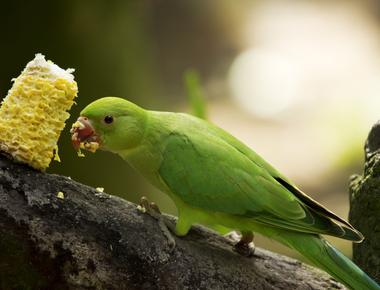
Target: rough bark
[[91, 240], [365, 207]]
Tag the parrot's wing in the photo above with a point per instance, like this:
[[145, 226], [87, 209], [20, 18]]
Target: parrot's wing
[[207, 172], [283, 180]]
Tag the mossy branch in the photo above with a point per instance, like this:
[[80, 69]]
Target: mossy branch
[[365, 207]]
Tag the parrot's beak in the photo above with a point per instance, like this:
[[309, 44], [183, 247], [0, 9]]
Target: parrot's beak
[[83, 135]]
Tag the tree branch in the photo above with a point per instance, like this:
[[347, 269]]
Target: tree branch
[[365, 207], [91, 240]]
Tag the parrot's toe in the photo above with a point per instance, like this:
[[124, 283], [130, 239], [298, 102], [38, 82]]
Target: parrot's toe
[[149, 207], [245, 245], [244, 249], [165, 225]]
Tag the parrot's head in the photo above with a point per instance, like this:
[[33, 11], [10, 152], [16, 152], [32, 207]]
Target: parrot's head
[[110, 123]]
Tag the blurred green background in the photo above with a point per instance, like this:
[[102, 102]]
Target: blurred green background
[[298, 81]]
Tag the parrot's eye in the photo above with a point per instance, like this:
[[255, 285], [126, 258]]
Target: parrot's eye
[[108, 119]]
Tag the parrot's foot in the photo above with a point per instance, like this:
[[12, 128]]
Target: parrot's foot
[[165, 225], [245, 245]]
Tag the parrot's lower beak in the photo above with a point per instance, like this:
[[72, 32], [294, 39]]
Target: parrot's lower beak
[[83, 135]]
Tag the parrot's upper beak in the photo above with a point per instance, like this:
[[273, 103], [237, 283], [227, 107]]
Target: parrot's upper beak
[[83, 135]]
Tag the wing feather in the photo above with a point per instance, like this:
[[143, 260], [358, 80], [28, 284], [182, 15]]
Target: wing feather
[[207, 172]]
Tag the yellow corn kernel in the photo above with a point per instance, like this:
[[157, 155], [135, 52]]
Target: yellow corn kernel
[[60, 195], [34, 112]]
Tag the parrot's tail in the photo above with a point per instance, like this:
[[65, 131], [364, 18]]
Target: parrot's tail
[[323, 255]]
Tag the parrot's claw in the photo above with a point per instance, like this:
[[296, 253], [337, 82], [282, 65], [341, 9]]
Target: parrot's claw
[[245, 245], [165, 225], [245, 249]]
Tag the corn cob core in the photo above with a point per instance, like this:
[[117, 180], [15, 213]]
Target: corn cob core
[[34, 112]]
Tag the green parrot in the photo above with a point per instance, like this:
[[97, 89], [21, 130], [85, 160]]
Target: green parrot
[[216, 180]]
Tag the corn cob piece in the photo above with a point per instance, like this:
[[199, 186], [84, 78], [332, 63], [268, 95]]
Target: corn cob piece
[[34, 112]]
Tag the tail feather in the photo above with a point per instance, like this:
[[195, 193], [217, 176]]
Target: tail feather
[[323, 255]]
